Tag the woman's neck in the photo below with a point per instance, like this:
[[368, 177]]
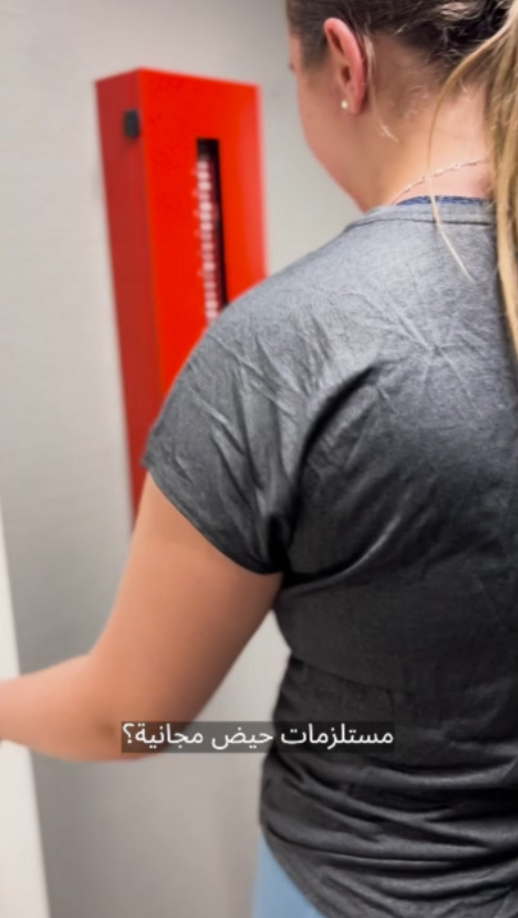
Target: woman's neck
[[401, 160]]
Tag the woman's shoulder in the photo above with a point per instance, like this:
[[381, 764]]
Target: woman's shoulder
[[286, 308], [345, 283], [318, 306]]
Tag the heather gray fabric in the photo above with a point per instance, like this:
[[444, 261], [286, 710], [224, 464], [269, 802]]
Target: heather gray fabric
[[353, 422]]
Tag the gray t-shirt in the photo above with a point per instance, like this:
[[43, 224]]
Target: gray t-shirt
[[353, 422]]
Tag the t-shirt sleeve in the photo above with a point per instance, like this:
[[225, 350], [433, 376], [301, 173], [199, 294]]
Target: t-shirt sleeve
[[224, 447]]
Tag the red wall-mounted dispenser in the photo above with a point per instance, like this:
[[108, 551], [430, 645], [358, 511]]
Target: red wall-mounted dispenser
[[184, 196]]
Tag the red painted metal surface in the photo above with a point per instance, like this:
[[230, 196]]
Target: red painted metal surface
[[151, 190]]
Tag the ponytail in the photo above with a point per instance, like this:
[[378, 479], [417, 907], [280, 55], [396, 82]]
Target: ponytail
[[495, 61]]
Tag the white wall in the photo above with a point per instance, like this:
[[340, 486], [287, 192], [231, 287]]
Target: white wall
[[22, 879], [170, 836]]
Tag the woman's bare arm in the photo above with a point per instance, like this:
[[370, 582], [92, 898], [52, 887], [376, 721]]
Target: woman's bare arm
[[182, 615]]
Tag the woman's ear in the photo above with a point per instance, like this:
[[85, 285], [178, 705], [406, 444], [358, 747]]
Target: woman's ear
[[347, 61]]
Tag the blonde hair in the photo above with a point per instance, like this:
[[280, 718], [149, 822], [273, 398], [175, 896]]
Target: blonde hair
[[495, 61]]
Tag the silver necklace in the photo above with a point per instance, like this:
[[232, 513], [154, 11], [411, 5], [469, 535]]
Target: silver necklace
[[471, 162]]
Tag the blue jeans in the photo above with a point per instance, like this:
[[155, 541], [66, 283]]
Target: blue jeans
[[275, 895]]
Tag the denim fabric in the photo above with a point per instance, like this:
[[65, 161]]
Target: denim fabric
[[275, 895]]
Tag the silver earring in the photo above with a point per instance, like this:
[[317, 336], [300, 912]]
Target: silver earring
[[344, 103]]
